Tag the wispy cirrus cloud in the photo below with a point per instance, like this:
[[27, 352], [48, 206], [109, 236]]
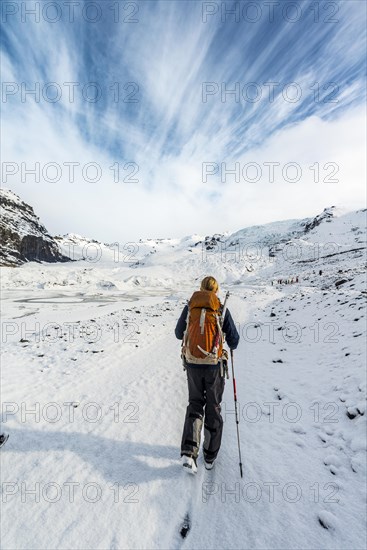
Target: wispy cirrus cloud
[[171, 57]]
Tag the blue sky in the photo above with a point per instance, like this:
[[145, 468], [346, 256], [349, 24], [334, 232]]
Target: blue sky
[[297, 70]]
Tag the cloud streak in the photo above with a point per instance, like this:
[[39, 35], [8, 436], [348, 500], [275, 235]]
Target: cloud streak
[[167, 56]]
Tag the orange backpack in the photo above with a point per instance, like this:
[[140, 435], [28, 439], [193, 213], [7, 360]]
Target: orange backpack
[[203, 339]]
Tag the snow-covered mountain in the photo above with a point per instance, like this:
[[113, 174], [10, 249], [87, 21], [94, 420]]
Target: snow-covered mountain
[[23, 237], [96, 395], [285, 248]]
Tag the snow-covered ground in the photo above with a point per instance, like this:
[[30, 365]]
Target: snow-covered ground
[[94, 395]]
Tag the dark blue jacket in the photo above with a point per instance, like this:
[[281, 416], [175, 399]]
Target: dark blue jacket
[[229, 329]]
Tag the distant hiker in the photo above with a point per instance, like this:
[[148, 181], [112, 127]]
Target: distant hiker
[[204, 359], [320, 272], [297, 279]]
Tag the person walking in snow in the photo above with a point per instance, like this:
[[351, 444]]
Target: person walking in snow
[[204, 358]]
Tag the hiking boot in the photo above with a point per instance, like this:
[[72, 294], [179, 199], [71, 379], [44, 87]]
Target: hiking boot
[[189, 464], [208, 465]]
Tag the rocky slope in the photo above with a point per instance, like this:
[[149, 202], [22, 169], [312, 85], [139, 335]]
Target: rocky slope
[[23, 238]]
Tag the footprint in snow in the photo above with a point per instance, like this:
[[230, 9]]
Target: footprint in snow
[[357, 463], [327, 520], [322, 436], [332, 461], [299, 430]]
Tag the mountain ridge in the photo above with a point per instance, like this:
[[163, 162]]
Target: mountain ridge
[[23, 237]]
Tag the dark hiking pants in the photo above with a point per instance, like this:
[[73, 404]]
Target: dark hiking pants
[[206, 388]]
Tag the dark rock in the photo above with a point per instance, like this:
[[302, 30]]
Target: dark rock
[[324, 216], [23, 238]]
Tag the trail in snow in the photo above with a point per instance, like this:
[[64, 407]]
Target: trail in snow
[[95, 409], [297, 473]]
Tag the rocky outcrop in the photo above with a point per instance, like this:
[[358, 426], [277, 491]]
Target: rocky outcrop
[[23, 238], [324, 216]]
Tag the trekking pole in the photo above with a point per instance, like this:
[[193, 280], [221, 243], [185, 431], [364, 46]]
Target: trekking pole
[[224, 307], [235, 406]]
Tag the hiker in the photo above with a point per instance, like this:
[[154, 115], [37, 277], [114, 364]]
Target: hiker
[[205, 363]]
